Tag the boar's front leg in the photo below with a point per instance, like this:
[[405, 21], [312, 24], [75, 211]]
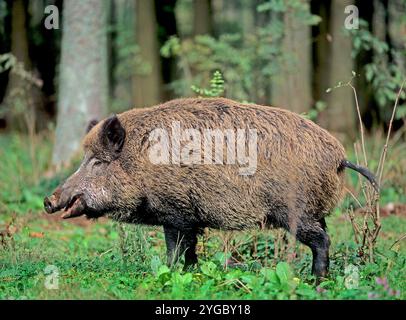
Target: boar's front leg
[[314, 235], [180, 242]]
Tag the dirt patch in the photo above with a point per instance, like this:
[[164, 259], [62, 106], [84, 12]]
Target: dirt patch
[[54, 222], [397, 209], [390, 209], [82, 221]]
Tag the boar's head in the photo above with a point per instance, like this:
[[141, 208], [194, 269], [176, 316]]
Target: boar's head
[[94, 189]]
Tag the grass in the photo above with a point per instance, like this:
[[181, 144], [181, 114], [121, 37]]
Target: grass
[[105, 260]]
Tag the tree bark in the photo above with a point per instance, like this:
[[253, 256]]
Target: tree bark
[[202, 23], [368, 106], [19, 92], [397, 31], [123, 37], [83, 82], [341, 112], [291, 89], [166, 20], [147, 88], [321, 49]]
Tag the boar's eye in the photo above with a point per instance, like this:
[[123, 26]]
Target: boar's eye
[[97, 163]]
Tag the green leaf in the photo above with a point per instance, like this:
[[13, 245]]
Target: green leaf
[[187, 278], [209, 269], [163, 269], [284, 272], [270, 275]]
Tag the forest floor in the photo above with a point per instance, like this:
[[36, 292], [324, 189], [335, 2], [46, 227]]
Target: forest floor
[[45, 257]]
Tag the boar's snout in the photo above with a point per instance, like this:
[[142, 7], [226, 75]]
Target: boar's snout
[[50, 204]]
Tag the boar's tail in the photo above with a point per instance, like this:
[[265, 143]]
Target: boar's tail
[[364, 171]]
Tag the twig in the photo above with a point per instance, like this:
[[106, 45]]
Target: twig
[[372, 212], [105, 252], [352, 195], [385, 148], [354, 225], [361, 126], [397, 241]]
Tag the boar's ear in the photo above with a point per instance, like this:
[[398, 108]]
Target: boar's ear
[[91, 124], [113, 135]]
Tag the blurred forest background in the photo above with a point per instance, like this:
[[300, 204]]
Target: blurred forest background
[[108, 56], [66, 63]]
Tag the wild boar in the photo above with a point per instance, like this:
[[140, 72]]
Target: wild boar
[[295, 181]]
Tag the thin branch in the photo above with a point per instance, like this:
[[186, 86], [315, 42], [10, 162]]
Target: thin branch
[[361, 125], [385, 148], [397, 241], [355, 198]]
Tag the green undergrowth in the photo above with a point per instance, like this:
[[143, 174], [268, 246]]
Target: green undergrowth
[[43, 257]]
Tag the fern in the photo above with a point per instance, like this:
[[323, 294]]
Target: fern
[[216, 88]]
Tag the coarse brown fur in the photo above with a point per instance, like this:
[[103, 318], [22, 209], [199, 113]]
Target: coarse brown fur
[[297, 182], [295, 157]]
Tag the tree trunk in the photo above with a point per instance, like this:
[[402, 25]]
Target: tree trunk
[[321, 49], [292, 87], [83, 82], [22, 98], [166, 20], [147, 88], [247, 17], [19, 40], [340, 113], [368, 106], [122, 38], [202, 17], [397, 31]]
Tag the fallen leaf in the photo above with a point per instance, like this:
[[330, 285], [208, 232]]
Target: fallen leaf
[[36, 234]]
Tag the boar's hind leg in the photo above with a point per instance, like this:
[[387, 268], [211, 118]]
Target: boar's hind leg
[[314, 235], [181, 242]]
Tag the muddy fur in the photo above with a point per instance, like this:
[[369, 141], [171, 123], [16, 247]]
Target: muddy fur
[[298, 179]]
